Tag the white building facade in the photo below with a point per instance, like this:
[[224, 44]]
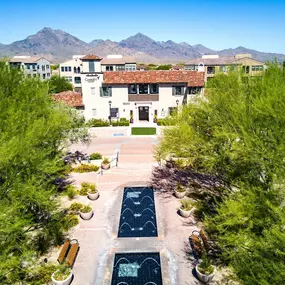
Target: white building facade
[[135, 95], [32, 66]]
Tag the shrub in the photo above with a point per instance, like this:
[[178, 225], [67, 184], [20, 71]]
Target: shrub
[[62, 273], [71, 191], [70, 221], [75, 207], [98, 123], [42, 274], [87, 187], [86, 209], [186, 204], [205, 267], [95, 156], [122, 122], [85, 168], [179, 187], [106, 160], [166, 122]]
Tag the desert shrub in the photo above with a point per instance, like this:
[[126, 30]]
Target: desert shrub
[[166, 122], [95, 156], [87, 187], [86, 209], [186, 204], [42, 274], [71, 191], [70, 221], [82, 168], [98, 123], [75, 207]]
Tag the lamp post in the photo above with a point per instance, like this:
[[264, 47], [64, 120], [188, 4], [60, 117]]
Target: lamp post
[[110, 103]]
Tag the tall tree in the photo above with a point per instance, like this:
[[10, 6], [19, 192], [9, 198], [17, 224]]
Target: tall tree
[[59, 84], [34, 130], [237, 132]]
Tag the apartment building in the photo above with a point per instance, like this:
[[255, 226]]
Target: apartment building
[[71, 70], [32, 66], [213, 64], [118, 63], [137, 95]]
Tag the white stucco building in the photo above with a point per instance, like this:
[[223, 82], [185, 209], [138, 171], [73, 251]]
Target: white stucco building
[[137, 95], [32, 66]]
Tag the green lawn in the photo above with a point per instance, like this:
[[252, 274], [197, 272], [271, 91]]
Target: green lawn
[[143, 131]]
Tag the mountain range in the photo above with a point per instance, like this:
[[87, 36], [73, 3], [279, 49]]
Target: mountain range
[[59, 46]]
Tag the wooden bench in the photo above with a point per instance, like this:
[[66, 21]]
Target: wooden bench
[[72, 253], [68, 252], [63, 251], [199, 242]]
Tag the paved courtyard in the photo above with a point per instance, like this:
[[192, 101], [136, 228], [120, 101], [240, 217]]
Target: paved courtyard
[[98, 236]]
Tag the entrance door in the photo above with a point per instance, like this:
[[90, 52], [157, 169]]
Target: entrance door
[[144, 113]]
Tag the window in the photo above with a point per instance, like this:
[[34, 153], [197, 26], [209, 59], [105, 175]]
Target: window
[[245, 69], [47, 66], [69, 68], [91, 66], [43, 68], [77, 80], [92, 91], [44, 76], [143, 88], [211, 69], [109, 68], [94, 112], [253, 68], [65, 68], [34, 67], [132, 89], [62, 69], [194, 90], [153, 88], [48, 74], [38, 67], [114, 112], [28, 66], [177, 90], [106, 91], [120, 67], [130, 67], [191, 67]]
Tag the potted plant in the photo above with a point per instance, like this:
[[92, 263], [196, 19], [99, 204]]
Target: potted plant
[[186, 208], [62, 276], [205, 270], [86, 212], [155, 119], [106, 163], [132, 119], [179, 191], [92, 192]]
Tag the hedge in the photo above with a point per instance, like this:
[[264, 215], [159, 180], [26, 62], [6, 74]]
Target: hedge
[[143, 131]]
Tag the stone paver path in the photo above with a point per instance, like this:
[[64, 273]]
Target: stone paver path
[[98, 236]]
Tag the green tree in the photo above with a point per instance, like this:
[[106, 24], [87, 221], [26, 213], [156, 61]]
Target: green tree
[[236, 132], [59, 84], [54, 66], [164, 67], [34, 131]]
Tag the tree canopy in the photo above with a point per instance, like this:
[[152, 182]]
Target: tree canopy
[[59, 84], [236, 132], [34, 132]]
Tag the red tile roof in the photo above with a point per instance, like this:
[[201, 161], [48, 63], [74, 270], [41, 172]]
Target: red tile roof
[[91, 57], [192, 78], [70, 98]]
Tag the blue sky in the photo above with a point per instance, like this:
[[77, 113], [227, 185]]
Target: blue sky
[[216, 24]]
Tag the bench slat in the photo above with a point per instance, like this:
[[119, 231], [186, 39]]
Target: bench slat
[[72, 254], [63, 251]]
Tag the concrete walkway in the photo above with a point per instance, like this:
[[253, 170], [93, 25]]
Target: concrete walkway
[[98, 236]]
